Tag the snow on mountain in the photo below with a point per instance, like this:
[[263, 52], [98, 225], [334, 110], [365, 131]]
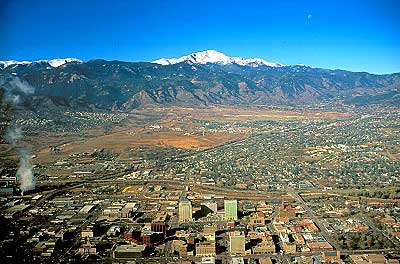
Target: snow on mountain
[[213, 56], [5, 64], [58, 62], [53, 63]]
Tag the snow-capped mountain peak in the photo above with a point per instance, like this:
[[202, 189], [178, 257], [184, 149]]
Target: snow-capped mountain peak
[[58, 62], [5, 64], [53, 63], [213, 56]]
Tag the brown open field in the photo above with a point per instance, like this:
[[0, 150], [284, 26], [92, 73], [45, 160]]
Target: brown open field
[[122, 140], [170, 127]]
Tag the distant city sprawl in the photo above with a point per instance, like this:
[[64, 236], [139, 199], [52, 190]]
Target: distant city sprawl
[[209, 185]]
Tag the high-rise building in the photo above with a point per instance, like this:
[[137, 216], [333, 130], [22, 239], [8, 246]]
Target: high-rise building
[[237, 243], [230, 207], [185, 211]]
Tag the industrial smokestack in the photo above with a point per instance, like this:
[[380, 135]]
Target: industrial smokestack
[[16, 90]]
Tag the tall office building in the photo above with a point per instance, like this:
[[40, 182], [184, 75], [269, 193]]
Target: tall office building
[[185, 211], [230, 207], [237, 243]]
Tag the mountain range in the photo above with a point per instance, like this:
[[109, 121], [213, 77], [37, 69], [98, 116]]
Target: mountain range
[[48, 63], [199, 79]]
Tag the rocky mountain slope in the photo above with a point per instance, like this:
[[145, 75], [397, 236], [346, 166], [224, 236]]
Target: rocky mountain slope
[[200, 79]]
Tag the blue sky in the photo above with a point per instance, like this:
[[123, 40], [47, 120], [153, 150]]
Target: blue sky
[[354, 35]]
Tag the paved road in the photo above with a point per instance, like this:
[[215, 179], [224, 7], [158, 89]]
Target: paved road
[[283, 259], [318, 223], [377, 230]]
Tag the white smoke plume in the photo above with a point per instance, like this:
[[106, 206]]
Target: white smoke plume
[[15, 91]]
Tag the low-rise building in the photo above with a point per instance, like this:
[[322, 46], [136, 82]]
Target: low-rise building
[[129, 251], [205, 249], [265, 247], [319, 246], [209, 233], [236, 243], [331, 256], [368, 258], [289, 247], [257, 219]]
